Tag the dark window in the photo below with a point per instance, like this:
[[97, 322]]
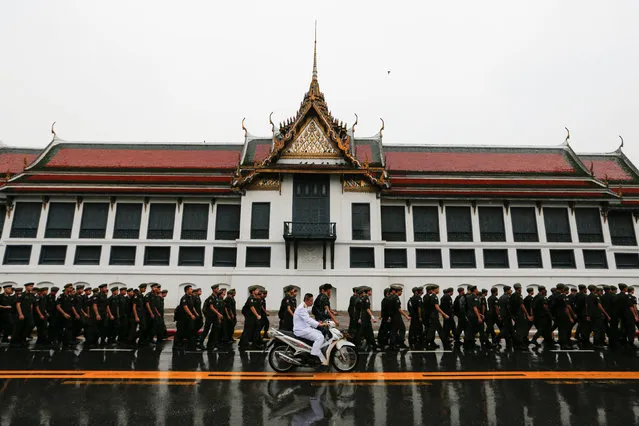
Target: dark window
[[3, 214], [224, 256], [191, 256], [428, 258], [25, 220], [496, 258], [524, 224], [426, 223], [595, 259], [361, 220], [17, 255], [362, 257], [491, 224], [94, 220], [260, 217], [52, 255], [227, 222], [122, 255], [393, 223], [195, 221], [395, 258], [161, 221], [529, 258], [127, 221], [589, 225], [622, 231], [562, 259], [87, 255], [157, 256], [59, 220], [462, 258], [623, 260], [557, 225], [458, 224], [257, 257]]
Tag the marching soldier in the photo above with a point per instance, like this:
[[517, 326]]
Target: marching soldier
[[80, 314], [460, 312], [416, 326], [563, 316], [596, 313], [23, 317], [542, 318], [322, 305], [366, 326], [521, 317], [100, 315], [353, 320], [449, 323], [506, 330], [398, 329], [197, 306], [230, 310], [52, 315], [265, 323], [433, 311], [627, 314], [66, 314], [474, 319], [252, 318], [287, 308], [114, 307], [163, 333], [583, 316], [41, 317], [213, 312], [7, 301], [528, 303], [185, 317], [383, 333], [492, 314]]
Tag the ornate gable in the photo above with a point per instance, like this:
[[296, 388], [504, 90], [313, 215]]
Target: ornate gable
[[311, 142], [311, 133]]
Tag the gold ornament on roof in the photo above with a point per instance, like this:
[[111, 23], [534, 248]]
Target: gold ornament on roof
[[311, 142]]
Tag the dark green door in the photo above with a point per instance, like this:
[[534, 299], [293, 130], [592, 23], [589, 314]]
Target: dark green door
[[311, 205]]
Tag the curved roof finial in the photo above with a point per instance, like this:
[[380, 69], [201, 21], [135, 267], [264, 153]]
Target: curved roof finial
[[621, 145], [382, 129], [244, 128], [315, 55], [355, 123], [53, 130], [270, 120], [567, 135]]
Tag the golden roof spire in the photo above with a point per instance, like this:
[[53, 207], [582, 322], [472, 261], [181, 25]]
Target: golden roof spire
[[314, 89]]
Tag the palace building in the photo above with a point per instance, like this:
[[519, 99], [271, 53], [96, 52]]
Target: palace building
[[315, 203]]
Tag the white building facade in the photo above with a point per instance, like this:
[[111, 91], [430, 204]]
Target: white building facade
[[314, 204]]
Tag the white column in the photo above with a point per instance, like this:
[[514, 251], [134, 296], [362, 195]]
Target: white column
[[574, 237], [443, 238], [479, 253], [610, 255], [510, 239], [541, 228]]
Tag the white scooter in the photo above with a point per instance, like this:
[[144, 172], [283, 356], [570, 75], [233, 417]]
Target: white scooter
[[288, 351]]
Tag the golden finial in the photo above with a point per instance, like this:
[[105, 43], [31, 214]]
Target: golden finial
[[315, 55], [244, 128], [53, 130], [382, 129], [355, 123], [271, 122], [620, 146], [567, 135]]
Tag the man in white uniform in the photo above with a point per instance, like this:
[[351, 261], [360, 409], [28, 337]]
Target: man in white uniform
[[306, 327]]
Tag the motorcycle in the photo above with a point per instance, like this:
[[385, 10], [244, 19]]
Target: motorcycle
[[288, 351]]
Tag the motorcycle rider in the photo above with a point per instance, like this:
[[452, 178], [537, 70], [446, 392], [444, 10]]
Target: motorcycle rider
[[305, 326]]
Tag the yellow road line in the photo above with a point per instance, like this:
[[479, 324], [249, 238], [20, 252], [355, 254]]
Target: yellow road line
[[411, 376]]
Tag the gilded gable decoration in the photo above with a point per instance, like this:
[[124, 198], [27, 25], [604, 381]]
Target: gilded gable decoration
[[311, 142]]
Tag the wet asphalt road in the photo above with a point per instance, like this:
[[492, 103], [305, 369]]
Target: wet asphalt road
[[125, 391]]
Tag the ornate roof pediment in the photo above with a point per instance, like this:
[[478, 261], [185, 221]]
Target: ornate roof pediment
[[311, 142]]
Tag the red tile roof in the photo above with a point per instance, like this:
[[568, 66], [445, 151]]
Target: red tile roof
[[14, 162], [478, 162], [261, 152], [609, 169], [364, 153]]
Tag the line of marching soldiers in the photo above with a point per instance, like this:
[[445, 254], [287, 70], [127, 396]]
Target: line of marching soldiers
[[597, 311], [127, 317]]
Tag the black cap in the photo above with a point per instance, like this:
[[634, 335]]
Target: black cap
[[541, 288], [129, 289], [396, 287], [449, 290], [79, 287], [326, 286], [164, 291], [87, 289], [7, 286], [506, 288], [472, 288], [188, 286], [356, 289], [561, 286], [215, 286], [102, 285], [286, 289], [582, 286], [517, 286], [154, 285], [622, 286], [143, 285], [18, 289], [68, 285], [29, 284], [484, 290], [530, 289], [123, 288], [44, 288]]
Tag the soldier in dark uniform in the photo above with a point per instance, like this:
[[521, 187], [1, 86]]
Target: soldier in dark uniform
[[460, 313], [113, 302], [492, 316], [474, 318], [322, 305], [252, 317], [353, 320], [197, 306], [633, 307], [446, 304], [521, 318], [483, 308], [163, 333], [542, 318], [100, 315], [416, 326], [230, 310], [186, 321], [563, 317], [138, 319], [528, 303], [434, 311], [366, 316], [398, 329], [7, 301], [596, 315], [506, 330], [23, 317], [583, 316], [265, 323], [383, 333], [213, 314], [66, 313], [287, 308], [627, 315], [41, 317], [152, 315], [124, 309]]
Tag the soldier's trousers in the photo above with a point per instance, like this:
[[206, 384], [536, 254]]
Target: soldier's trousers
[[249, 332], [564, 328], [21, 330], [208, 325], [506, 331], [398, 331], [434, 326], [544, 330], [448, 327], [229, 329], [384, 332], [612, 330], [365, 332], [461, 326], [185, 333], [52, 325], [415, 331], [472, 328], [6, 326], [113, 329], [491, 320], [628, 327], [123, 329], [585, 328], [599, 335], [521, 330], [43, 331], [64, 330]]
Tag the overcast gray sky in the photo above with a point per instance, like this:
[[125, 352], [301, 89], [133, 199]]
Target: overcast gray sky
[[462, 72]]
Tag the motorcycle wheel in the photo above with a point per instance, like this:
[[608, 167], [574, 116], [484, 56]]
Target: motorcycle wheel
[[345, 359], [278, 364]]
